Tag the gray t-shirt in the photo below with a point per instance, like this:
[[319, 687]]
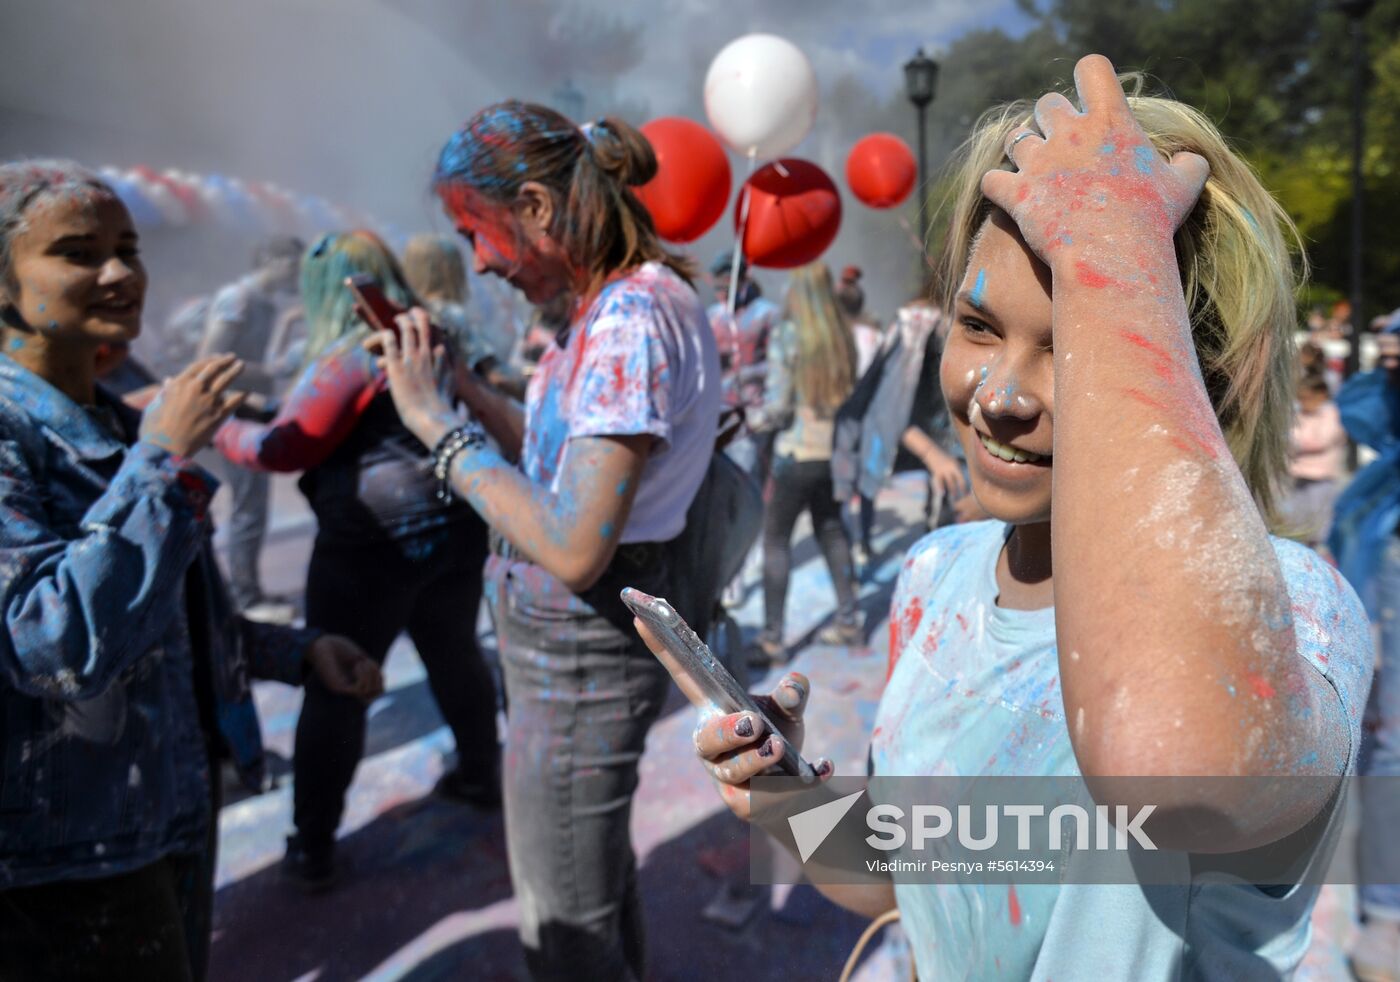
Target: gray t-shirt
[[241, 320]]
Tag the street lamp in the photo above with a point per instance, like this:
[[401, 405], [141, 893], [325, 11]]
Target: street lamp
[[569, 101], [920, 80], [1356, 10]]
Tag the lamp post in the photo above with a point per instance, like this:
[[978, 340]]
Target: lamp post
[[1356, 11], [920, 80], [569, 100]]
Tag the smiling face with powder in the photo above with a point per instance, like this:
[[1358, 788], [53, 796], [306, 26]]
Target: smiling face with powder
[[998, 374]]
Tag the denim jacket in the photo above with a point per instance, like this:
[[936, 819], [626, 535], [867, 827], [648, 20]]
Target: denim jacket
[[104, 548]]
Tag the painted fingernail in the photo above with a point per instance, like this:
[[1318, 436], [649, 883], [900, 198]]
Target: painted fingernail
[[744, 727], [766, 750], [823, 766]]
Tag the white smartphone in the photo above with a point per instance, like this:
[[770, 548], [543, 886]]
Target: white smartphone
[[700, 675]]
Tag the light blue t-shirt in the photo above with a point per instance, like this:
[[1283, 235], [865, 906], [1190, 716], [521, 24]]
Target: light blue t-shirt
[[974, 689]]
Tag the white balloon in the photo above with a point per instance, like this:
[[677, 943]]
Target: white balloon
[[761, 95]]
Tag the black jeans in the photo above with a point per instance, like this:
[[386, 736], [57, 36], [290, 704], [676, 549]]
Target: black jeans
[[583, 692], [797, 487], [151, 923], [429, 585]]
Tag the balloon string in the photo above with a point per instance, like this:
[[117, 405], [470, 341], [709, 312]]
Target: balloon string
[[913, 236], [739, 243]]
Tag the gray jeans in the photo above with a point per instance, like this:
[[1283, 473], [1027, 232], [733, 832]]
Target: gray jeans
[[581, 694], [247, 526]]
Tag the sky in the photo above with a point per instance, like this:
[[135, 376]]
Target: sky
[[352, 98]]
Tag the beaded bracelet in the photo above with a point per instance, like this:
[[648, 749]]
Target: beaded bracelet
[[448, 447]]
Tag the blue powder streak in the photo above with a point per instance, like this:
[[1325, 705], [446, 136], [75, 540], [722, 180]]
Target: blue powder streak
[[1142, 159], [979, 289], [1108, 148], [16, 344], [607, 529]]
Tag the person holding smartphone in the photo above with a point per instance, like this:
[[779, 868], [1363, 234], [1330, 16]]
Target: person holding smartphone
[[124, 668], [1119, 372], [383, 534], [617, 433]]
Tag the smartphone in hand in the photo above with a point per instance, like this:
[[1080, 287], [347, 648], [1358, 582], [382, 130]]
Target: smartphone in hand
[[373, 304], [699, 674]]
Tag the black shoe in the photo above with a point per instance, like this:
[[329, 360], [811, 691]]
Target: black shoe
[[312, 869], [483, 793]]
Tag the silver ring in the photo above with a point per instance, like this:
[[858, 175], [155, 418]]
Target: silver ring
[[1018, 138]]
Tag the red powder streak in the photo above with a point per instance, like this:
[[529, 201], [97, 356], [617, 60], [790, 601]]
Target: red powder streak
[[1023, 193], [894, 647], [1200, 440], [1162, 362], [1091, 277], [1145, 399], [1013, 906], [1261, 686], [962, 622]]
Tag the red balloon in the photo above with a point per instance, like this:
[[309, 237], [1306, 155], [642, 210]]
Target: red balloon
[[691, 187], [881, 170], [794, 214]]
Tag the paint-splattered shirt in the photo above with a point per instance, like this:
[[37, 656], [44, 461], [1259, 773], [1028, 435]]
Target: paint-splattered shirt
[[743, 347], [640, 360], [974, 690]]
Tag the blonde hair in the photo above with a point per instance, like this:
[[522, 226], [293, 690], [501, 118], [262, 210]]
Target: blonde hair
[[434, 268], [1241, 260], [826, 347]]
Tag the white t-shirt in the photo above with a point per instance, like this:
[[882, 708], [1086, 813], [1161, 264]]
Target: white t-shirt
[[974, 689], [641, 359]]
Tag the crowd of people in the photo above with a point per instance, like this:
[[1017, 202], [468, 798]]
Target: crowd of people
[[1134, 485]]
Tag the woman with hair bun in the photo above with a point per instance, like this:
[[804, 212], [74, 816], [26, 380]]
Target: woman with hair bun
[[616, 436]]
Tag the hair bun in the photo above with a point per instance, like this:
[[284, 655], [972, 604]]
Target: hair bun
[[621, 151]]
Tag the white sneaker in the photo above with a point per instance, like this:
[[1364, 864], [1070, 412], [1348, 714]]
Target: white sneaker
[[271, 612], [1376, 955]]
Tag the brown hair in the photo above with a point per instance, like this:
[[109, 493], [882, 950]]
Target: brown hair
[[589, 171]]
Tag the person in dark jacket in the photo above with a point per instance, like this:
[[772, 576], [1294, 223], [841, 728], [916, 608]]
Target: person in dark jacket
[[124, 671], [383, 534]]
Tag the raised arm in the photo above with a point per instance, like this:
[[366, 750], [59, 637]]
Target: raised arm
[[316, 417], [79, 609], [1177, 647]]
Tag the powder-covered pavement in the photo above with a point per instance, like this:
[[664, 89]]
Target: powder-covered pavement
[[425, 892]]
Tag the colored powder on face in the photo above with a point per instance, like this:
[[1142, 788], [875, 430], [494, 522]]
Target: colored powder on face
[[42, 307], [607, 530], [16, 344], [1142, 159], [53, 325], [979, 289], [622, 486], [1109, 148]]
